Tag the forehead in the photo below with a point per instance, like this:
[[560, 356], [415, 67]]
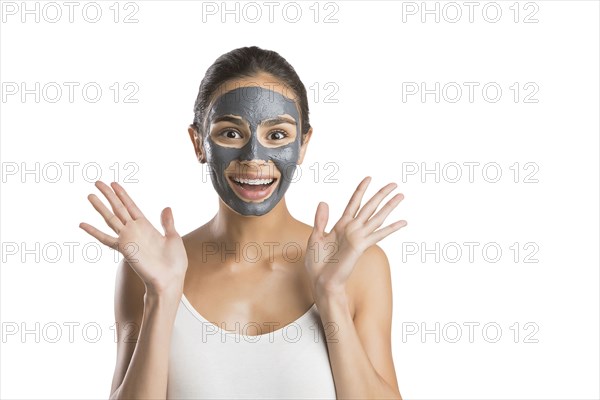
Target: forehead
[[253, 103]]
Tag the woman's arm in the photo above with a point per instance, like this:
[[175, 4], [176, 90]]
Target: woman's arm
[[360, 351], [360, 354], [145, 321], [148, 290]]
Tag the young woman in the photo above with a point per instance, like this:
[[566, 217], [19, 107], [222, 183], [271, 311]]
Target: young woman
[[311, 311]]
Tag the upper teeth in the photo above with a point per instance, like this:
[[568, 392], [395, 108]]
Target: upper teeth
[[253, 181]]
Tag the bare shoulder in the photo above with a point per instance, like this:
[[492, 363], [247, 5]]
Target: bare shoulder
[[370, 278]]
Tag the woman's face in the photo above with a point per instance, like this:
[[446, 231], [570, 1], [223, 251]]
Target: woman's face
[[252, 143]]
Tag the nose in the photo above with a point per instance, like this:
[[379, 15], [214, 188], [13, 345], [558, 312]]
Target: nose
[[249, 152], [254, 151], [251, 164]]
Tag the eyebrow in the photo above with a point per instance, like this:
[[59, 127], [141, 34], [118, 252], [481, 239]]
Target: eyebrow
[[278, 120], [229, 118], [266, 123]]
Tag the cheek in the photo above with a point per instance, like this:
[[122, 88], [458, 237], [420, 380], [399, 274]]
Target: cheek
[[212, 149], [286, 159], [220, 157]]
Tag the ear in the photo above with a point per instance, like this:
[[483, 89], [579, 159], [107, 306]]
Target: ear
[[197, 142], [304, 145]]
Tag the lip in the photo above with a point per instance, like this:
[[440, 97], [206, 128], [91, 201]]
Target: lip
[[252, 196]]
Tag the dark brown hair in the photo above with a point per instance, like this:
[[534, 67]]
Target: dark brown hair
[[247, 62]]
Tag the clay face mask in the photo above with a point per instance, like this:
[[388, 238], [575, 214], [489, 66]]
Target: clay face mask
[[254, 105]]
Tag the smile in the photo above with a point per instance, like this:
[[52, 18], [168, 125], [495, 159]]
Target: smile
[[252, 189], [253, 181]]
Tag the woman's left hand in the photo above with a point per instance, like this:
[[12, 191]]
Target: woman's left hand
[[331, 257]]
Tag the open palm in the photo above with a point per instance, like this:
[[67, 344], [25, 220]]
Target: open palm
[[160, 260], [331, 257]]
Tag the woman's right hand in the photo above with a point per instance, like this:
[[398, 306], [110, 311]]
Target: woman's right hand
[[160, 261]]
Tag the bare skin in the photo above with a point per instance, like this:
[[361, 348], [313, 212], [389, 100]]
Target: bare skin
[[231, 287], [227, 291]]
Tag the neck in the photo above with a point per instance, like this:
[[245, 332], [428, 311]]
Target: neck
[[229, 226]]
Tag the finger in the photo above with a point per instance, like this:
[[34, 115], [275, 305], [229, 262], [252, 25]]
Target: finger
[[371, 205], [111, 220], [101, 236], [356, 199], [168, 223], [383, 232], [321, 218], [129, 204], [116, 204], [376, 221]]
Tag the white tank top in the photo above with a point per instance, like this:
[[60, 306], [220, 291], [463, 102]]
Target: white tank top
[[207, 362]]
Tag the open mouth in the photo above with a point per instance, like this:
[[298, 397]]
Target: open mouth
[[252, 189]]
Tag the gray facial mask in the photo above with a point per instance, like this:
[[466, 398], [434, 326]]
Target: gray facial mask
[[254, 105]]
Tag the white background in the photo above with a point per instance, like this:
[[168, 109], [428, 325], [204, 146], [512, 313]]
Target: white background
[[366, 56]]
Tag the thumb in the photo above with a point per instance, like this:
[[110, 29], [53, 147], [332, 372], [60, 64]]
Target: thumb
[[168, 224], [321, 218]]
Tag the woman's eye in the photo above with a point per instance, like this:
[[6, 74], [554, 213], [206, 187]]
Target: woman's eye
[[230, 134], [277, 135]]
